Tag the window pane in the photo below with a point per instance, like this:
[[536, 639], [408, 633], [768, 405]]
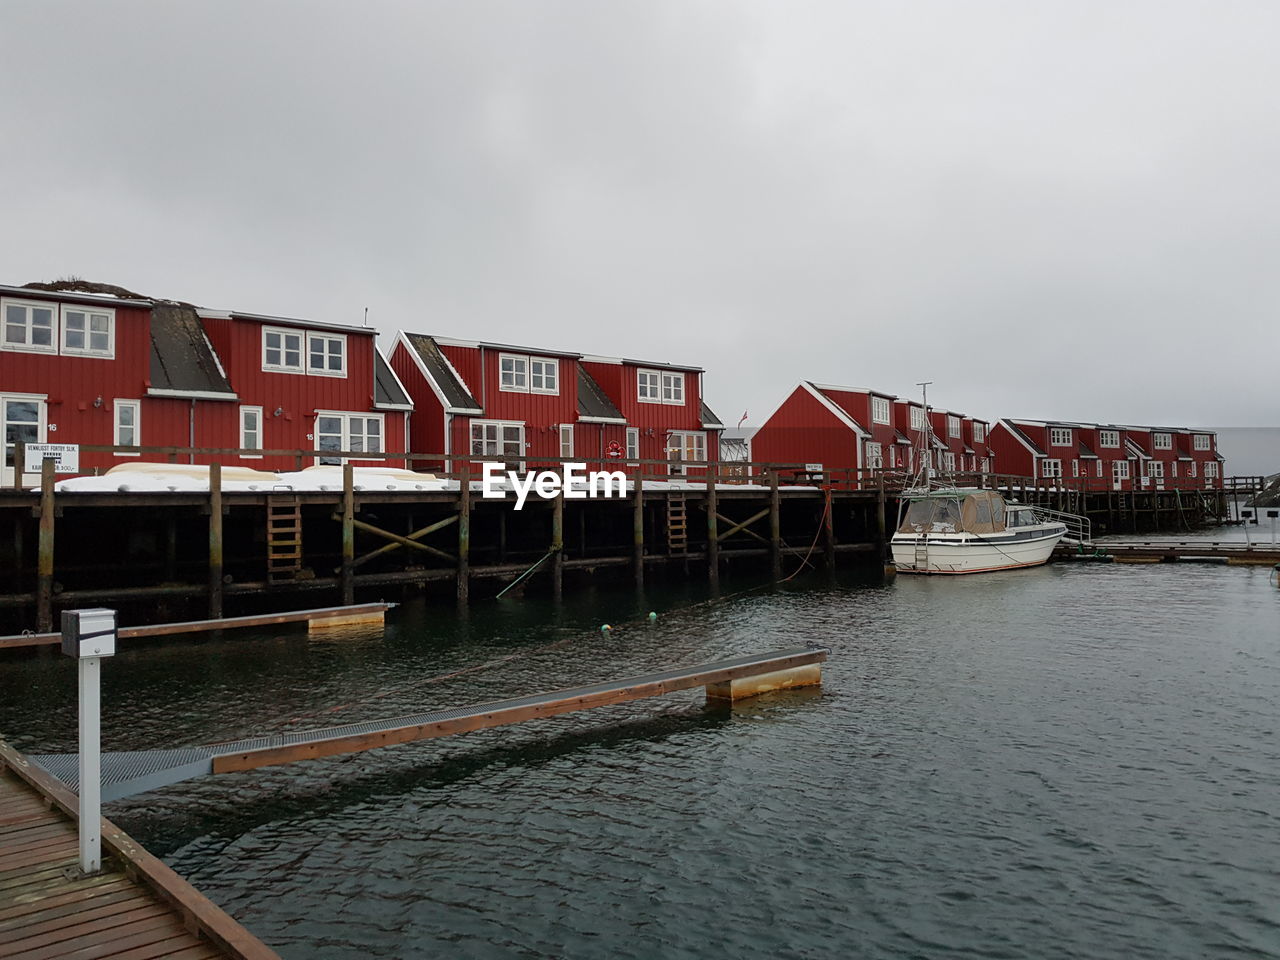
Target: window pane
[[124, 414]]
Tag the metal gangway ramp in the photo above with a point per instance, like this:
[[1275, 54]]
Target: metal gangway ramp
[[125, 773]]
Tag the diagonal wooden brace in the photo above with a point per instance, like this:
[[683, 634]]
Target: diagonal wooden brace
[[416, 535]]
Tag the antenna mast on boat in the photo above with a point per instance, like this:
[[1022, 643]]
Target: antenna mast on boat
[[926, 438]]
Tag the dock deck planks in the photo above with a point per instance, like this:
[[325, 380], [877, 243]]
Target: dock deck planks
[[136, 909]]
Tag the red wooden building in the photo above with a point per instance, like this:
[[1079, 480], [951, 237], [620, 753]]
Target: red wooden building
[[95, 364], [1102, 456], [828, 428], [535, 407]]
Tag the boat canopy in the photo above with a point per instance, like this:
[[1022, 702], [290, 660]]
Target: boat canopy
[[960, 511]]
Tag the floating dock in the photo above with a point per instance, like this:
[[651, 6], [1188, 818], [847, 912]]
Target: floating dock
[[135, 909], [1233, 553]]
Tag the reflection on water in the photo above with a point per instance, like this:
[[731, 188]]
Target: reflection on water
[[1074, 761]]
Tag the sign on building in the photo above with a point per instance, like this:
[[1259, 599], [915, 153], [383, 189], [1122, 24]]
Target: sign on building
[[66, 457]]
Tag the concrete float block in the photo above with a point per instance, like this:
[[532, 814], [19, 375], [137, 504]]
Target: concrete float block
[[807, 675], [345, 620]]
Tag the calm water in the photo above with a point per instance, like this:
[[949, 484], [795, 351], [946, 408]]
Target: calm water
[[1076, 761]]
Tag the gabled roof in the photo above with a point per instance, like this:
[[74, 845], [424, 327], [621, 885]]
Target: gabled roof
[[513, 348], [840, 389], [183, 363], [708, 419], [1136, 447], [900, 437], [445, 381], [1019, 435], [388, 392], [593, 403], [819, 394], [1086, 453], [685, 368], [83, 291], [287, 321]]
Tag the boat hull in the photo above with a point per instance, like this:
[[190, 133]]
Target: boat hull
[[956, 554]]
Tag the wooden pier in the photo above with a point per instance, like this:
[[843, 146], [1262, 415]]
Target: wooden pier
[[1234, 553], [230, 551], [135, 909], [128, 773]]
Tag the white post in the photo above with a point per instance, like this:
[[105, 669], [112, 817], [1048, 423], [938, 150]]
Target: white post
[[88, 636], [90, 765]]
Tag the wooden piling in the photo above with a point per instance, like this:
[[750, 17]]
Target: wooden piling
[[215, 541], [464, 536], [557, 546], [348, 534], [44, 572], [713, 536], [637, 530], [829, 528], [881, 523], [775, 526]]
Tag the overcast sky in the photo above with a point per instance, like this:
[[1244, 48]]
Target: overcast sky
[[1061, 210]]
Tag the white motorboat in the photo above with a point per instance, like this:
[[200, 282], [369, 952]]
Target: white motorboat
[[960, 530]]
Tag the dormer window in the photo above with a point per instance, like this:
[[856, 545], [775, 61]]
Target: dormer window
[[1060, 437], [88, 332], [917, 418], [1108, 438], [879, 410], [520, 373], [1201, 441], [979, 431], [953, 426], [660, 386], [1162, 441], [281, 350], [327, 354]]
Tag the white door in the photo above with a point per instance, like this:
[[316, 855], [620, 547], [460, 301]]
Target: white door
[[24, 421], [1119, 474]]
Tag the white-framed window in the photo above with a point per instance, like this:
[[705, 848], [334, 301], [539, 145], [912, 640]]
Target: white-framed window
[[1156, 469], [544, 375], [352, 432], [1191, 469], [875, 457], [1050, 469], [673, 388], [128, 417], [513, 373], [660, 386], [1075, 468], [949, 461], [917, 418], [251, 431], [953, 426], [282, 350], [1059, 437], [1210, 469], [1120, 469], [327, 354], [88, 331], [519, 373], [1162, 441], [1173, 469], [29, 326], [1097, 467], [687, 445], [986, 464], [1201, 441], [979, 431], [633, 443], [1109, 438], [879, 410], [566, 441], [499, 439]]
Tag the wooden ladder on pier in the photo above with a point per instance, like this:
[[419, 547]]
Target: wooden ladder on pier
[[284, 538], [677, 523]]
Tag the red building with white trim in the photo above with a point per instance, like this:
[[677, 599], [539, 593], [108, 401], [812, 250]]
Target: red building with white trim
[[92, 364], [1098, 456], [535, 407]]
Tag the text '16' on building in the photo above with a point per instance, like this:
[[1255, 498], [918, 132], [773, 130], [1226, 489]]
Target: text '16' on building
[[534, 408]]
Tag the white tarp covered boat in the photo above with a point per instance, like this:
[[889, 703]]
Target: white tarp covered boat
[[958, 530]]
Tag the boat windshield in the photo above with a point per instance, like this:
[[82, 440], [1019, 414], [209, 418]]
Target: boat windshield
[[978, 511]]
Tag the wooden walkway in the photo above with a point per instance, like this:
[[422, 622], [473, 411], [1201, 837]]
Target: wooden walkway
[[136, 909], [1231, 552]]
